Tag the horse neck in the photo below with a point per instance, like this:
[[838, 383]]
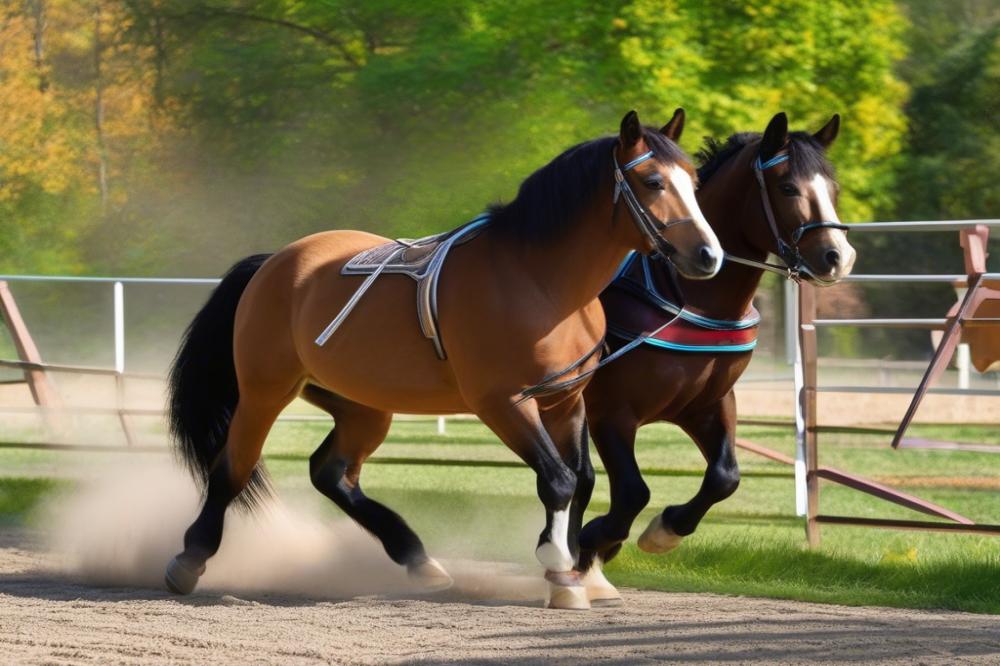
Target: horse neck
[[731, 204], [572, 270]]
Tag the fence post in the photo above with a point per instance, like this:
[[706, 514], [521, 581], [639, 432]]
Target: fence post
[[963, 359], [806, 417], [119, 292], [441, 428]]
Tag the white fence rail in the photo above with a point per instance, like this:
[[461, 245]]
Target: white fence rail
[[119, 348]]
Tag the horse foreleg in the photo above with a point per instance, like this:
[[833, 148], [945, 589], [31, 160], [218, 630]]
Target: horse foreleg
[[714, 431], [522, 429]]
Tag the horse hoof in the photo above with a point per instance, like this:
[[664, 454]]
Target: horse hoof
[[606, 602], [600, 591], [568, 597], [431, 576], [566, 591], [180, 579], [659, 539]]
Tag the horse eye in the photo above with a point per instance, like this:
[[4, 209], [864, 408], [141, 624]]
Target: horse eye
[[654, 184], [789, 190]]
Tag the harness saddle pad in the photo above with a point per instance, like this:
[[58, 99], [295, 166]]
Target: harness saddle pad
[[635, 307], [420, 260]]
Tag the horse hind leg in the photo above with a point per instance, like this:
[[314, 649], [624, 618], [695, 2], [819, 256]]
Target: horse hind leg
[[248, 429], [715, 434], [335, 470]]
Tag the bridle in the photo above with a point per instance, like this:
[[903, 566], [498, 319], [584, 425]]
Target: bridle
[[795, 266], [650, 226]]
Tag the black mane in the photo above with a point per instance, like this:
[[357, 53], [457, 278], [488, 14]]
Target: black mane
[[550, 199], [806, 156]]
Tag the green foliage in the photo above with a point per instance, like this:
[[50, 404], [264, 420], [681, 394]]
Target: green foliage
[[954, 149], [948, 168], [238, 126], [252, 123]]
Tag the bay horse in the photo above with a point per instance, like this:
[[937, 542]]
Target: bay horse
[[518, 308], [770, 193]]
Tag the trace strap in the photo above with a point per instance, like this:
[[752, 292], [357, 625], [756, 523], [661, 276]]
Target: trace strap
[[549, 385], [332, 327]]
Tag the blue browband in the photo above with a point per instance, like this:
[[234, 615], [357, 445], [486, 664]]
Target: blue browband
[[639, 160], [777, 159]]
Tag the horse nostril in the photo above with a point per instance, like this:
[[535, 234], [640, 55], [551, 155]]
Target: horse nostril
[[832, 258], [707, 257]]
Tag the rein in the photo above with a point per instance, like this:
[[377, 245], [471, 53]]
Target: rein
[[789, 254]]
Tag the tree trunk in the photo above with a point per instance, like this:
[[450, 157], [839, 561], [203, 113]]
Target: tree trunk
[[37, 10], [102, 160]]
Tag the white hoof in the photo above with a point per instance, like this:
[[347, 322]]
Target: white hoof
[[430, 575], [568, 597], [659, 539], [600, 591]]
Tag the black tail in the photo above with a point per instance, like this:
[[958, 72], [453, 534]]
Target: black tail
[[202, 385]]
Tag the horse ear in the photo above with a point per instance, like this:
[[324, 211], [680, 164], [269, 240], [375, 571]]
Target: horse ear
[[631, 130], [675, 127], [829, 132], [775, 136]]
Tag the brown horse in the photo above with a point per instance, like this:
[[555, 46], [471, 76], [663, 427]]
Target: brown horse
[[518, 306], [771, 193]]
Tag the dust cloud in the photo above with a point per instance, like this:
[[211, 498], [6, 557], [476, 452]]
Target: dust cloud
[[122, 527]]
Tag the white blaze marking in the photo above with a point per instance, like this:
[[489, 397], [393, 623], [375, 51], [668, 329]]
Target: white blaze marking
[[554, 554], [827, 213], [681, 180], [821, 188]]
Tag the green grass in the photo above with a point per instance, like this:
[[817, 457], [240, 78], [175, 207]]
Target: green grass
[[467, 495], [20, 497]]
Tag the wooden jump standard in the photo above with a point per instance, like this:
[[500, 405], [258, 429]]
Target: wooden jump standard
[[974, 244]]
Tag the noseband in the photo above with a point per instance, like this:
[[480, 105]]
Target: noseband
[[789, 253], [650, 226]]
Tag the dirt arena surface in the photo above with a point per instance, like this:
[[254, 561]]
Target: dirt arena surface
[[48, 617]]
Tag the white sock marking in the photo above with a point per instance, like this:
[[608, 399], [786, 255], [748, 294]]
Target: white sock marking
[[554, 553]]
